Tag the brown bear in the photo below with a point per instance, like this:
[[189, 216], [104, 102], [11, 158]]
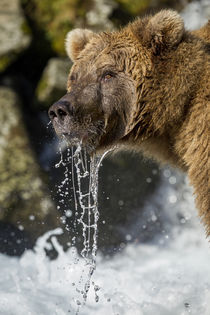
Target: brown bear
[[147, 88]]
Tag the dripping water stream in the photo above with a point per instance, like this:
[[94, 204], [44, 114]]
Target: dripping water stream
[[81, 173]]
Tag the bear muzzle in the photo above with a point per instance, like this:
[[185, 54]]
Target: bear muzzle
[[61, 110], [61, 115]]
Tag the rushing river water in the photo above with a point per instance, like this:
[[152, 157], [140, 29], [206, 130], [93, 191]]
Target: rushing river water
[[169, 275]]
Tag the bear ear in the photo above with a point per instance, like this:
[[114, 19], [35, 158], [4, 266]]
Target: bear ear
[[76, 41], [161, 31]]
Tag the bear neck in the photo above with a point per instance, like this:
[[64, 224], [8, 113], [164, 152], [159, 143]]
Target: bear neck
[[165, 99]]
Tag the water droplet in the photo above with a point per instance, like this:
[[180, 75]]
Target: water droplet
[[128, 237], [31, 217], [167, 173], [120, 202], [68, 213], [172, 199], [154, 218], [172, 180]]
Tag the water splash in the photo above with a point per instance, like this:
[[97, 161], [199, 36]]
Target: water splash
[[82, 175], [89, 217]]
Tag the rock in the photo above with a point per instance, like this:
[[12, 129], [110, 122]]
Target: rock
[[24, 197], [126, 10], [137, 7], [134, 7], [55, 19], [98, 16], [52, 85], [14, 32], [196, 14]]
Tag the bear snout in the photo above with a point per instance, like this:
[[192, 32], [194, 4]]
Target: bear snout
[[61, 110], [61, 114]]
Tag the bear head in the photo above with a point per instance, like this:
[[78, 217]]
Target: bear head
[[109, 81]]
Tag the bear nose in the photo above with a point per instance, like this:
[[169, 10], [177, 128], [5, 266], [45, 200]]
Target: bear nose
[[59, 110]]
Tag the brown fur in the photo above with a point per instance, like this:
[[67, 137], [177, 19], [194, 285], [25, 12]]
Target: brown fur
[[146, 87]]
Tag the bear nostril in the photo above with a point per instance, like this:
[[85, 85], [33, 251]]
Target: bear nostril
[[61, 113], [52, 114], [58, 112]]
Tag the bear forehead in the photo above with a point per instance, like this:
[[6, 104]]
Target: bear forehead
[[105, 50], [108, 43]]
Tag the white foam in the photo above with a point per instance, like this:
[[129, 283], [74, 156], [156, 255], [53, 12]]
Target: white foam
[[170, 275]]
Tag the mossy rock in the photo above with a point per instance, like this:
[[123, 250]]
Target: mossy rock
[[134, 7], [140, 7], [4, 62], [24, 197], [54, 18]]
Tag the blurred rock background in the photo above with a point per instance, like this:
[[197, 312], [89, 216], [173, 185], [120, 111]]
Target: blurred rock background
[[33, 73]]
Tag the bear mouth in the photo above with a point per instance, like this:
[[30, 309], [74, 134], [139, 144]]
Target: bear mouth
[[74, 138], [88, 136]]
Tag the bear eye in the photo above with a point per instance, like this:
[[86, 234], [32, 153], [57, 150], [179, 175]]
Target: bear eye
[[107, 76], [72, 78]]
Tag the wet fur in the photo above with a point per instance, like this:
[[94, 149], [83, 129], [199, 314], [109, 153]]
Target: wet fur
[[160, 104]]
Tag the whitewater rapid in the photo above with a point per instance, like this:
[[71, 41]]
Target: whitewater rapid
[[168, 275]]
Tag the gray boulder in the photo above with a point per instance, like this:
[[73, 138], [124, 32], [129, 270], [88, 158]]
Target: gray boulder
[[24, 197], [196, 14], [14, 32], [52, 84]]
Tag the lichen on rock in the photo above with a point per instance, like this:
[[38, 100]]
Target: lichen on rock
[[13, 35]]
